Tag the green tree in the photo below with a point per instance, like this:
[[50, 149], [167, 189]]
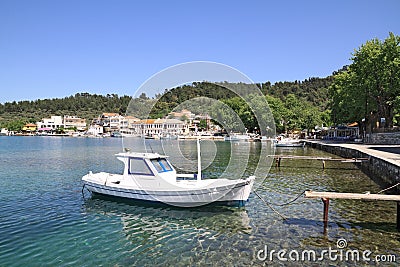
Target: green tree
[[15, 126], [370, 87]]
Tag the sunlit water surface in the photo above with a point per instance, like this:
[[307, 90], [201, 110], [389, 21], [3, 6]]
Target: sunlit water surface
[[46, 221]]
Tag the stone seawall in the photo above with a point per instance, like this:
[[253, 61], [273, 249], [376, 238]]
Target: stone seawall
[[381, 170], [384, 138]]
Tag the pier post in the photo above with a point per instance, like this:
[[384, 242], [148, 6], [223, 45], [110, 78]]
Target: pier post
[[325, 196], [326, 211], [278, 162], [398, 215]]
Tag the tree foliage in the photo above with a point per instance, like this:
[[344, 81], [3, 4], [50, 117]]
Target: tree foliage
[[84, 105], [369, 88]]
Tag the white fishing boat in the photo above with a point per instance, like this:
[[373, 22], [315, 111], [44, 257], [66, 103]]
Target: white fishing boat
[[235, 137], [151, 177], [287, 142]]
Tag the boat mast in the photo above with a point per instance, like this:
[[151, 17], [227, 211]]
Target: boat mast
[[198, 160]]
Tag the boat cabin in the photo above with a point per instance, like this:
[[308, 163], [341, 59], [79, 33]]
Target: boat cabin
[[147, 165]]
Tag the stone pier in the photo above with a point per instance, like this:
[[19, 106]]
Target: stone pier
[[383, 165]]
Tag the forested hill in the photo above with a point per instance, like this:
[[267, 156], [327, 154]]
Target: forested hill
[[84, 105], [314, 91]]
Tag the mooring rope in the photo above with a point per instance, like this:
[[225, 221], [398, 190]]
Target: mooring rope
[[270, 206], [83, 188], [291, 201], [388, 188]]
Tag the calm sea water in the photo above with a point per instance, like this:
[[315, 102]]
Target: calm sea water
[[46, 221]]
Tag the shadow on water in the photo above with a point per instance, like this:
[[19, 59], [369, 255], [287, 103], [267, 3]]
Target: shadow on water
[[382, 226], [303, 222]]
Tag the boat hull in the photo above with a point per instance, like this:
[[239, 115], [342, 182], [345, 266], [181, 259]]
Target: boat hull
[[290, 145], [232, 194]]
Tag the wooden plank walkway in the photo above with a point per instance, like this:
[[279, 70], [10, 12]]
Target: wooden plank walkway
[[325, 196], [365, 196], [278, 159]]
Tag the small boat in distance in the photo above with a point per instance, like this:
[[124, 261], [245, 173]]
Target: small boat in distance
[[288, 142], [151, 177], [116, 135], [235, 137]]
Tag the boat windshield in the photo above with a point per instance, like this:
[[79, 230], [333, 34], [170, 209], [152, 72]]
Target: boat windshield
[[161, 165], [139, 166]]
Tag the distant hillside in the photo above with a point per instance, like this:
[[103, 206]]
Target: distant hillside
[[84, 105], [312, 92]]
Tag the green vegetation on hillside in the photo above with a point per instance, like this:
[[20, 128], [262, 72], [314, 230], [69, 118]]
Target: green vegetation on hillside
[[84, 105], [295, 105]]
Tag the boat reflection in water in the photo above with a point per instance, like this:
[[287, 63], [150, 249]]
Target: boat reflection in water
[[141, 218]]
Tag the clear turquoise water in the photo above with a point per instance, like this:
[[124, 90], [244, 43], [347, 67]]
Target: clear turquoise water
[[45, 220]]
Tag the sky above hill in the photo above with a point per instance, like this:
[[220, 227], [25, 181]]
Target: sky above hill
[[54, 49]]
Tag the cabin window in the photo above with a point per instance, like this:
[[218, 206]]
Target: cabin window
[[139, 166], [161, 165]]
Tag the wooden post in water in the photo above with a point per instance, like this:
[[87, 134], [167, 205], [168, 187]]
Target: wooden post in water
[[326, 212], [398, 215], [278, 162], [325, 196]]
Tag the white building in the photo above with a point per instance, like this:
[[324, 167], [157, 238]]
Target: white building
[[95, 130], [52, 123], [127, 125], [56, 122], [111, 121], [4, 131], [160, 127], [72, 121]]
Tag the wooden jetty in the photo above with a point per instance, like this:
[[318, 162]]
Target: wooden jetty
[[325, 196], [278, 159]]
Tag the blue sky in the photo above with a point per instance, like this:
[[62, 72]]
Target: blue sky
[[58, 48]]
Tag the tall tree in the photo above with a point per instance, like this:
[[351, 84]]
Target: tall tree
[[369, 88]]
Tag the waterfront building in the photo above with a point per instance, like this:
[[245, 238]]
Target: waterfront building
[[192, 120], [4, 132], [74, 122], [127, 125], [183, 115], [343, 132], [95, 130], [151, 127], [29, 127], [111, 121], [53, 123]]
